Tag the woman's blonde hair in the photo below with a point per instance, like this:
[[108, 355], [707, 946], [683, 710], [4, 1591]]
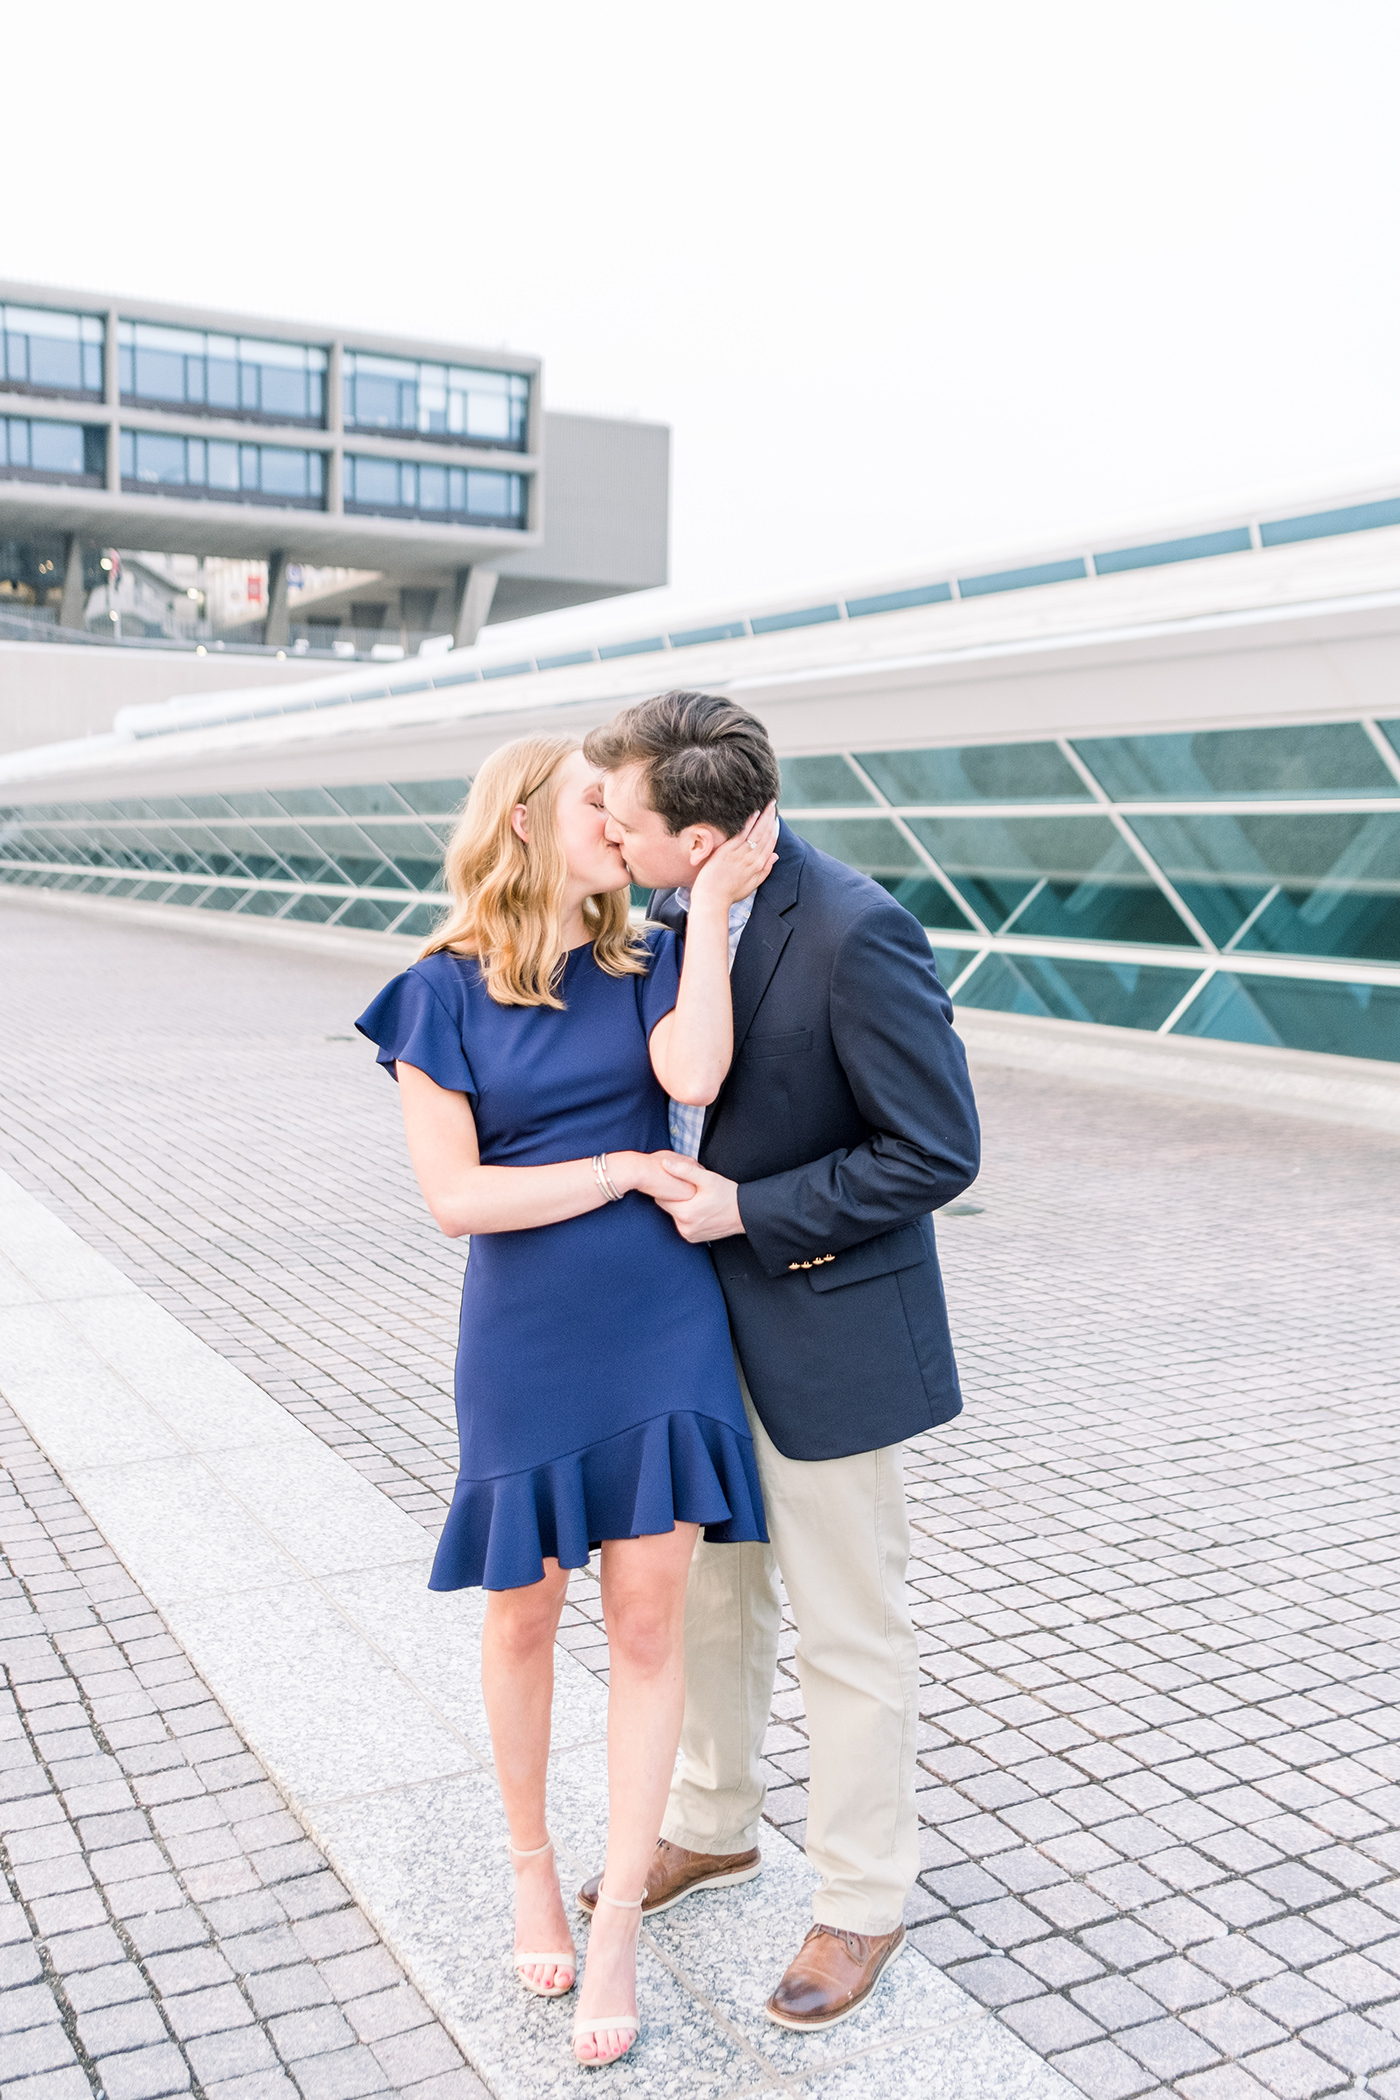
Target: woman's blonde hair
[[508, 893]]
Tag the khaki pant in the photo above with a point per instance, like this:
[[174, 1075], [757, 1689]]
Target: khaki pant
[[840, 1538]]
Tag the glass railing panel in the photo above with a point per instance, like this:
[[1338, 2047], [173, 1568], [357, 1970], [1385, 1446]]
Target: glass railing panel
[[976, 773], [1319, 758], [1298, 1013], [1116, 995], [811, 783], [1315, 884], [1066, 878]]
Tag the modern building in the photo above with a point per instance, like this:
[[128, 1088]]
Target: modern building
[[433, 469], [1152, 783]]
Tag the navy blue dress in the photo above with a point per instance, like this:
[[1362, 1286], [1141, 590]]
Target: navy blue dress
[[596, 1392]]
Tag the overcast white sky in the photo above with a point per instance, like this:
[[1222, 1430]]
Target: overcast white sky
[[903, 278]]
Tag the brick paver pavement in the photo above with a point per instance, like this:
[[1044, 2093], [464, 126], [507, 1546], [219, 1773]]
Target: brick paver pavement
[[165, 1927], [1155, 1572]]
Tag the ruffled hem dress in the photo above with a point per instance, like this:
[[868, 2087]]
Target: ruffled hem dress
[[596, 1390]]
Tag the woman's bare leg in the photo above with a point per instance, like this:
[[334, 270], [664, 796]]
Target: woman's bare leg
[[644, 1607], [517, 1679]]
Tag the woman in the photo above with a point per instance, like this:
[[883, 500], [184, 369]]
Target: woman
[[535, 1042]]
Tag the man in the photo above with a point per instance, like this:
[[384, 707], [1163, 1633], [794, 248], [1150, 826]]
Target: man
[[847, 1117]]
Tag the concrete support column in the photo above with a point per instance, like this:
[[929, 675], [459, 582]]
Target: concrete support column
[[73, 604], [476, 587], [277, 632], [111, 394], [335, 423]]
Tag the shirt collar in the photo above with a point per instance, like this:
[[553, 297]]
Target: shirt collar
[[744, 904]]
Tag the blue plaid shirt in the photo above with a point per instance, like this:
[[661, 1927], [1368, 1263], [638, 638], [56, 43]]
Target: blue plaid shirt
[[687, 1118]]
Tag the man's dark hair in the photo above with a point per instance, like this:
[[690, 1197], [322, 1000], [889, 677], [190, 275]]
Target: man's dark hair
[[704, 760]]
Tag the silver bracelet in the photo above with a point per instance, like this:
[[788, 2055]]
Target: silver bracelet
[[604, 1179]]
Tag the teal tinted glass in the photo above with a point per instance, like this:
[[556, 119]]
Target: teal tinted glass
[[376, 801], [950, 962], [1117, 995], [433, 798], [1068, 878], [809, 616], [1324, 884], [307, 802], [1195, 547], [875, 846], [976, 773], [420, 922], [371, 914], [898, 601], [1391, 732], [1294, 1013], [1318, 758], [815, 783], [1021, 579]]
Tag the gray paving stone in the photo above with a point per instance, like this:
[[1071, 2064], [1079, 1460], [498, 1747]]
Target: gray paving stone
[[311, 2033], [145, 2074], [37, 2049], [235, 2053], [1169, 2047], [1293, 2072], [342, 2076], [1103, 2071], [1051, 2024], [132, 2025]]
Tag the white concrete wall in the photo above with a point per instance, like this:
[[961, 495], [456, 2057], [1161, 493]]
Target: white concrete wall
[[49, 692]]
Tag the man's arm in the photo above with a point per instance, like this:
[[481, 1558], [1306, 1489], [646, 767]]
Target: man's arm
[[891, 1023]]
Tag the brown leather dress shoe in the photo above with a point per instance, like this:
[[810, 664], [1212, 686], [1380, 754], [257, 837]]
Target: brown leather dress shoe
[[832, 1975], [674, 1872]]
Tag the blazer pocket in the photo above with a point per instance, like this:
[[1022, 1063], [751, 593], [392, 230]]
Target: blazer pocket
[[785, 1045], [904, 1248]]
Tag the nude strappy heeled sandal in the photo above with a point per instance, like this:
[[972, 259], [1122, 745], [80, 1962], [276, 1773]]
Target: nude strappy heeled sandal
[[617, 2023], [560, 1960]]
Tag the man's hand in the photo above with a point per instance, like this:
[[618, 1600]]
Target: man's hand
[[712, 1213]]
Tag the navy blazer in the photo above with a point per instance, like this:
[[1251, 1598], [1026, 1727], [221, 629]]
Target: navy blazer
[[846, 1118]]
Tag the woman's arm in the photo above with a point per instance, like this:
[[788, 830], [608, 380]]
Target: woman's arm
[[464, 1196], [691, 1047]]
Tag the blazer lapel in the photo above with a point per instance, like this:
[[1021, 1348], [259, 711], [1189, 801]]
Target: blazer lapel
[[664, 910]]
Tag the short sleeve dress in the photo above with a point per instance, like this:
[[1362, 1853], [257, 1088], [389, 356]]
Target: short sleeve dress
[[596, 1391]]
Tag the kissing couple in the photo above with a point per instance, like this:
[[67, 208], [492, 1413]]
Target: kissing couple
[[697, 1160]]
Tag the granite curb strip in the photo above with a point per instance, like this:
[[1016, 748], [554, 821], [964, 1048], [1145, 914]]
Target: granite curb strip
[[297, 1590]]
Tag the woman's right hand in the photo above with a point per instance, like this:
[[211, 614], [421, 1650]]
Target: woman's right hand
[[654, 1174]]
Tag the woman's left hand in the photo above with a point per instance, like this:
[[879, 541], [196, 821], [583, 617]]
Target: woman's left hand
[[736, 868]]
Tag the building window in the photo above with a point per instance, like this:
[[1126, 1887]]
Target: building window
[[50, 353], [224, 375], [446, 401], [218, 468], [31, 450], [459, 495]]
